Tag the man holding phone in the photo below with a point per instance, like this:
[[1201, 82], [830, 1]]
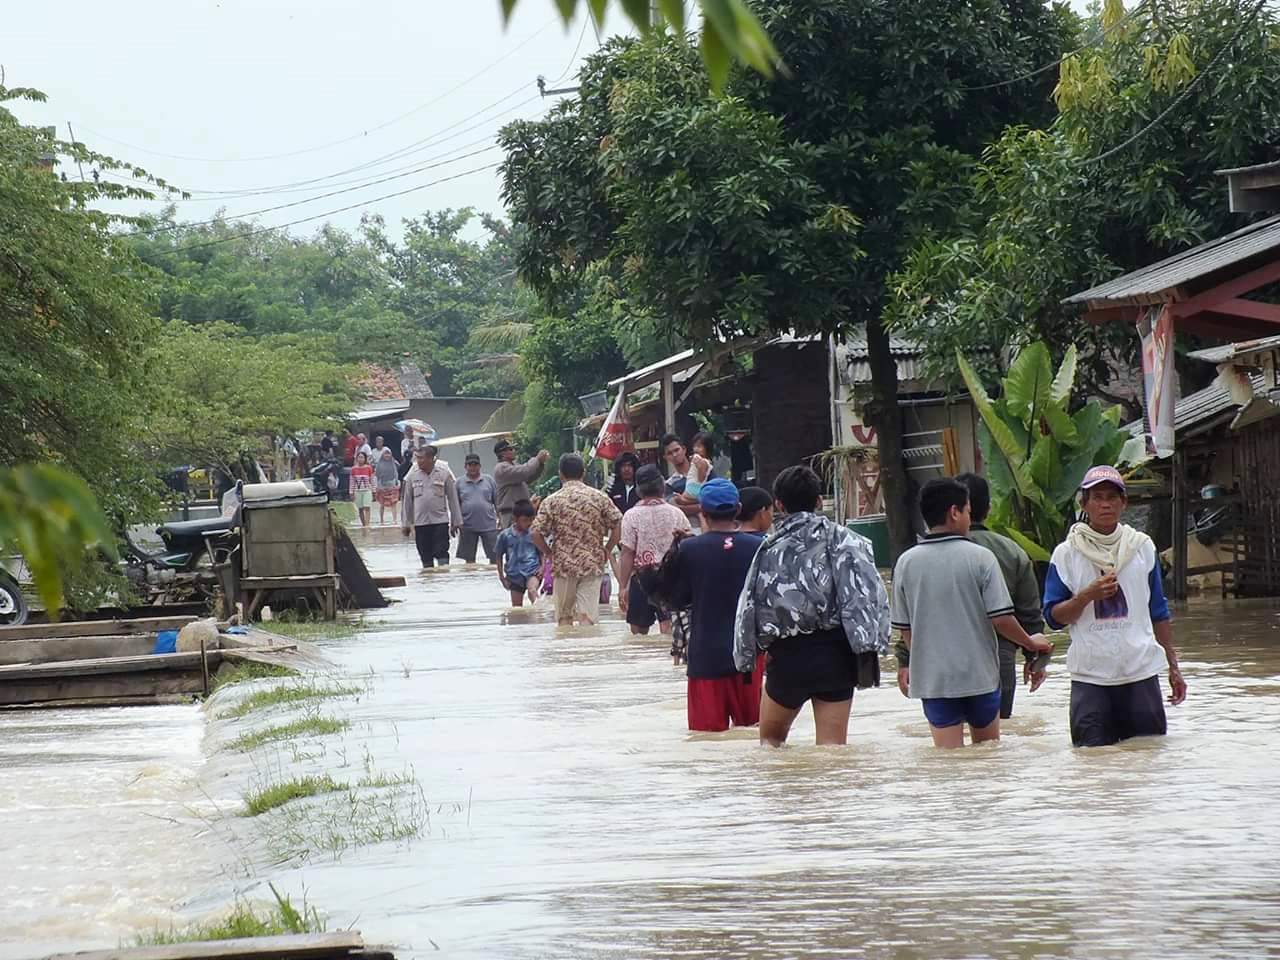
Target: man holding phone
[[1105, 585]]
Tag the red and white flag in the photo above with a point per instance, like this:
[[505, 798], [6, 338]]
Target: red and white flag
[[614, 438]]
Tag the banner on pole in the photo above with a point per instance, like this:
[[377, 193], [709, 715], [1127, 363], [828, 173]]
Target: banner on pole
[[614, 438], [1155, 327]]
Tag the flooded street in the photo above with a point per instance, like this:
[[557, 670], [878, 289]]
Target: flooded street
[[565, 811]]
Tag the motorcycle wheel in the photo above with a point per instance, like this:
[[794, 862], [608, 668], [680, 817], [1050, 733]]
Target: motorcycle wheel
[[13, 605]]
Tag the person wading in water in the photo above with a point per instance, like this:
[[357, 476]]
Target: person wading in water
[[1020, 579], [1105, 585], [815, 603], [950, 601]]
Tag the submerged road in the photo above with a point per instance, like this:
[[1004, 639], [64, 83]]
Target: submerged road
[[565, 811]]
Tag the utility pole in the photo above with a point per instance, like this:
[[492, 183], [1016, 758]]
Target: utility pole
[[74, 144], [542, 88]]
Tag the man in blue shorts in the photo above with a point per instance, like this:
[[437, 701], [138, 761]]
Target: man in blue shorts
[[948, 595]]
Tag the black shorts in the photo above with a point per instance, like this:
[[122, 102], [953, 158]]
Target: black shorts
[[810, 666], [1105, 715], [640, 612]]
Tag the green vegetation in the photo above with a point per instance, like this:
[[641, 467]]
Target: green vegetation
[[788, 203], [290, 692], [279, 918], [1121, 178], [349, 819], [313, 726], [278, 794], [1036, 453], [379, 781], [249, 670], [312, 629]]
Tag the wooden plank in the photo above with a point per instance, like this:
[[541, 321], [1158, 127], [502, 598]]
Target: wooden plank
[[101, 665], [286, 583], [1267, 273], [93, 628], [355, 575], [287, 947], [149, 687], [75, 648], [391, 581]]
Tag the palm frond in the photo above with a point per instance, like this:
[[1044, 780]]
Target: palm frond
[[500, 336]]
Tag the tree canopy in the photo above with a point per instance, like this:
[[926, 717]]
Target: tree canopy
[[788, 202], [1121, 177]]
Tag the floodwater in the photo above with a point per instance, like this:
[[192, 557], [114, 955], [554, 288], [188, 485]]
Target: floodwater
[[562, 809]]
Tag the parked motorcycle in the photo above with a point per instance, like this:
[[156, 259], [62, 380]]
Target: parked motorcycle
[[184, 568], [13, 605]]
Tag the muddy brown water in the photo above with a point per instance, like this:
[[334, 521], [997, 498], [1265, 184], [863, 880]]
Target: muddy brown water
[[568, 813]]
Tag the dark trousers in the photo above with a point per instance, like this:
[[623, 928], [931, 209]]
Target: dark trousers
[[1008, 676], [467, 540], [1105, 715], [432, 540]]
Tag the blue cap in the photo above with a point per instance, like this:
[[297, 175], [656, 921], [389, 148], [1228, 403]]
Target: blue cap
[[718, 498]]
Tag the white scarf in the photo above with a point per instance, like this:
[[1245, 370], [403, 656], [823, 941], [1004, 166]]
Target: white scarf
[[1108, 551]]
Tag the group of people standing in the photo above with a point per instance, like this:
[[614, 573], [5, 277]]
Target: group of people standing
[[774, 605]]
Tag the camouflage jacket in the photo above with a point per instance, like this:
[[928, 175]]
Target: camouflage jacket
[[811, 574]]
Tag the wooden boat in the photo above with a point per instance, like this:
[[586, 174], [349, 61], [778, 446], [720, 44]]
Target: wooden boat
[[112, 663]]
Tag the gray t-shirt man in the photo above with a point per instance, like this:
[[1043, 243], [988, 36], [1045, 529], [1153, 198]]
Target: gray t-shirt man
[[946, 590]]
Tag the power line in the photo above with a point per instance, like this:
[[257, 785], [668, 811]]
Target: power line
[[1186, 92], [316, 183], [329, 213], [1058, 62], [333, 143], [323, 196]]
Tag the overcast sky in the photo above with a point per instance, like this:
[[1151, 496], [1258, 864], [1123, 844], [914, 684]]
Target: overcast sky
[[235, 95]]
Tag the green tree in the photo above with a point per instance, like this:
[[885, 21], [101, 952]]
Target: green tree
[[1121, 177], [730, 30], [1037, 452], [222, 393], [786, 203]]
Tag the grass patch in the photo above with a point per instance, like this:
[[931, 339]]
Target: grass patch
[[377, 781], [282, 917], [305, 727], [311, 630], [344, 511], [249, 670], [351, 819], [289, 693], [278, 794]]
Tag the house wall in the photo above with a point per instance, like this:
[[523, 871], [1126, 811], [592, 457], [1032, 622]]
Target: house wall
[[450, 416], [790, 406], [862, 497]]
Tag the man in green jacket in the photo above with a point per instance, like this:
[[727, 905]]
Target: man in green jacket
[[1019, 577]]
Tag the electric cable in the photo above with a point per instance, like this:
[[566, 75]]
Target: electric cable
[[1186, 91], [329, 213], [333, 143], [1057, 63], [297, 203]]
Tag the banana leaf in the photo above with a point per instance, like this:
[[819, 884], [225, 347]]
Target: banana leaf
[[1028, 384], [1000, 433], [1036, 552], [1065, 378]]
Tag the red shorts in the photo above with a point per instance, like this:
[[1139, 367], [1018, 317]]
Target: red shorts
[[715, 702]]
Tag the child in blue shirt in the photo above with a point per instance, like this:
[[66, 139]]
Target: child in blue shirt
[[519, 563]]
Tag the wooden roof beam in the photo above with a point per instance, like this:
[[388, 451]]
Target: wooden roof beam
[[1230, 290]]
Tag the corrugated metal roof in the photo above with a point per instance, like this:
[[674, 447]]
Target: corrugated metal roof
[[1230, 351], [1199, 261], [1256, 168], [1198, 410], [853, 355]]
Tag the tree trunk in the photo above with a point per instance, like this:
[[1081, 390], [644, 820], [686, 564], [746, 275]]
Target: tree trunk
[[884, 414]]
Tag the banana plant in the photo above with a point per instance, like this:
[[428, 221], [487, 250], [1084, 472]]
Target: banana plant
[[1036, 452]]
